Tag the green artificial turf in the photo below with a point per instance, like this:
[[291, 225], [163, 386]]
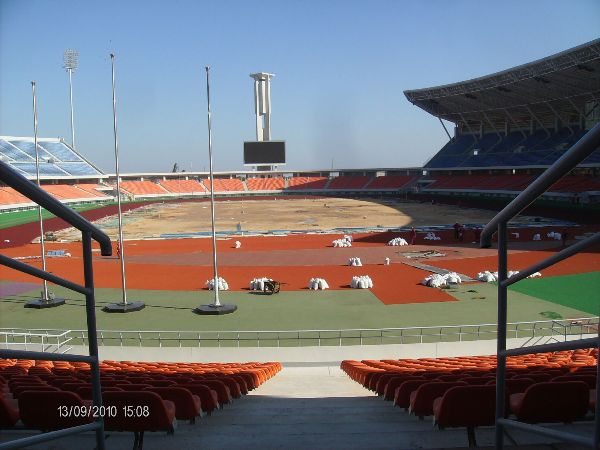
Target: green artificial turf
[[580, 291], [294, 310], [11, 219]]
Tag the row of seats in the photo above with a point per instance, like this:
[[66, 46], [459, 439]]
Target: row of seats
[[136, 396], [460, 392], [182, 186], [8, 196], [141, 188], [518, 182], [265, 184]]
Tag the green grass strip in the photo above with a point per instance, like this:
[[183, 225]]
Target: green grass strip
[[580, 291]]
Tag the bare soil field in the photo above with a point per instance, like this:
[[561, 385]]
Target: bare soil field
[[282, 214]]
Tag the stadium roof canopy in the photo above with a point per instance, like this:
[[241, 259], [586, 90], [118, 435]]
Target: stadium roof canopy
[[56, 159], [558, 86]]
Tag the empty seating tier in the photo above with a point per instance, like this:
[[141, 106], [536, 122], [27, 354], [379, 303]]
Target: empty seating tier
[[349, 182], [225, 184], [298, 183], [183, 186], [390, 182], [143, 188], [265, 184]]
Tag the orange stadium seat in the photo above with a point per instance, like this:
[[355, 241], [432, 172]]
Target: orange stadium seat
[[183, 186], [225, 184], [265, 184], [297, 183], [141, 188]]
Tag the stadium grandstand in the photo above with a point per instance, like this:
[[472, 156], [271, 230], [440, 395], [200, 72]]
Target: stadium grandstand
[[429, 352], [512, 125]]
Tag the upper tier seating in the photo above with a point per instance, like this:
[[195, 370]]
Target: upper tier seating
[[390, 182], [349, 182], [541, 148], [183, 186], [225, 184], [143, 188], [265, 184], [297, 183]]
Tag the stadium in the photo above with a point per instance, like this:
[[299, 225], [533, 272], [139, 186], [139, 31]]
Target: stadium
[[327, 360]]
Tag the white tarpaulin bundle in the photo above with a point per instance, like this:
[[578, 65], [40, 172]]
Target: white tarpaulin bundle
[[361, 282], [554, 235], [488, 276], [317, 283], [258, 284], [436, 280], [346, 241], [432, 237], [398, 241], [354, 261], [223, 286]]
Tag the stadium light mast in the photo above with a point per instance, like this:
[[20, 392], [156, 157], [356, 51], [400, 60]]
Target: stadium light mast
[[215, 308], [124, 306], [71, 62], [47, 299]]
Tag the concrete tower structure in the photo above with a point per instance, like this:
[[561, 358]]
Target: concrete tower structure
[[262, 104]]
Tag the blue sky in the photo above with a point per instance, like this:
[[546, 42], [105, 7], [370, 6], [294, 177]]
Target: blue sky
[[341, 68]]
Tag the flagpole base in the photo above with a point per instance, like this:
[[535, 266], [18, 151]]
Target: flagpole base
[[213, 310], [41, 303], [124, 307]]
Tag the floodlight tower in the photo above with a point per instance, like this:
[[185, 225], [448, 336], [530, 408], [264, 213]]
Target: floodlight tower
[[71, 61], [262, 104]]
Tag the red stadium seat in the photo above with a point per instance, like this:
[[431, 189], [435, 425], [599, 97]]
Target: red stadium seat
[[187, 405], [208, 397], [139, 411], [42, 410], [9, 413], [467, 406], [421, 399], [563, 401]]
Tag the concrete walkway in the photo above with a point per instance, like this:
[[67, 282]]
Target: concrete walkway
[[316, 407]]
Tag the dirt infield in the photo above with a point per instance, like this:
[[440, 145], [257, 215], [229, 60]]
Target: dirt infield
[[283, 214]]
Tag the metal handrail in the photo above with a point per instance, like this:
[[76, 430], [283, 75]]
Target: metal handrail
[[443, 333], [577, 153], [9, 176]]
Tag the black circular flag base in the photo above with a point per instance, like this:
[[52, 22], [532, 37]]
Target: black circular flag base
[[124, 307], [212, 310], [40, 303]]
